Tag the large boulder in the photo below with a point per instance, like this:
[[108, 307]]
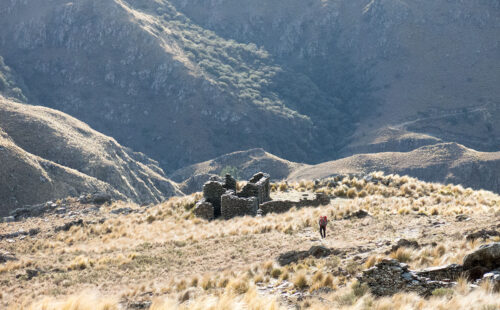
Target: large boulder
[[482, 260]]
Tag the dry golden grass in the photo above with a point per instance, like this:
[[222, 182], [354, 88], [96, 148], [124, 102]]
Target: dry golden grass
[[182, 262]]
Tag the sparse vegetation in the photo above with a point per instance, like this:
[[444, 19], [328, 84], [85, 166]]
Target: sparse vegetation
[[189, 262]]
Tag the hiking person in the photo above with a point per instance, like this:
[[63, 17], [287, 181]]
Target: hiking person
[[322, 226]]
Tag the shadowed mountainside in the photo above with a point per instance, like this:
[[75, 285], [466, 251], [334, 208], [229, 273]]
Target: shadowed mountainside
[[46, 155], [184, 81]]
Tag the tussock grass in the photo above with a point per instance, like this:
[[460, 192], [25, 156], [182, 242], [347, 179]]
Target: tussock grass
[[221, 263], [300, 280]]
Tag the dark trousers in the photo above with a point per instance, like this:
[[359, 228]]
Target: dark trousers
[[322, 231]]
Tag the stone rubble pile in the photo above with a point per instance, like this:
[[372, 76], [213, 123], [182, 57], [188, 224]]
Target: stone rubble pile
[[390, 276]]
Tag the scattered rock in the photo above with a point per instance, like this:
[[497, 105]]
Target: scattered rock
[[140, 304], [358, 214], [20, 233], [6, 256], [101, 198], [68, 225], [493, 277], [462, 218], [483, 234], [34, 231], [97, 198], [9, 219], [317, 251], [404, 243], [390, 277], [31, 273], [61, 210], [124, 211]]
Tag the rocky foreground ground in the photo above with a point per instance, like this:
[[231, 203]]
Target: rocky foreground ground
[[88, 253]]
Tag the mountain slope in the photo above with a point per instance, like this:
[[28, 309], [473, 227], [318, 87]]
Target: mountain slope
[[245, 163], [184, 81], [241, 165], [49, 155], [145, 74], [434, 63], [443, 163]]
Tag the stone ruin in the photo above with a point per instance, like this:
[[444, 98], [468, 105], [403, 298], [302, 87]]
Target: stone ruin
[[221, 199]]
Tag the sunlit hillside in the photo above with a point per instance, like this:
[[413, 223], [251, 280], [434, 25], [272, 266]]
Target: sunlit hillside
[[122, 256]]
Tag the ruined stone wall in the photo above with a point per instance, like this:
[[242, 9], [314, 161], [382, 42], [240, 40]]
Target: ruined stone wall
[[212, 192], [222, 199], [258, 186], [280, 206], [204, 209], [232, 205], [230, 183], [277, 206]]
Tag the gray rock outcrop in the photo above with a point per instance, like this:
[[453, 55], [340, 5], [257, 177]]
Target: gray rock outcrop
[[390, 276]]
